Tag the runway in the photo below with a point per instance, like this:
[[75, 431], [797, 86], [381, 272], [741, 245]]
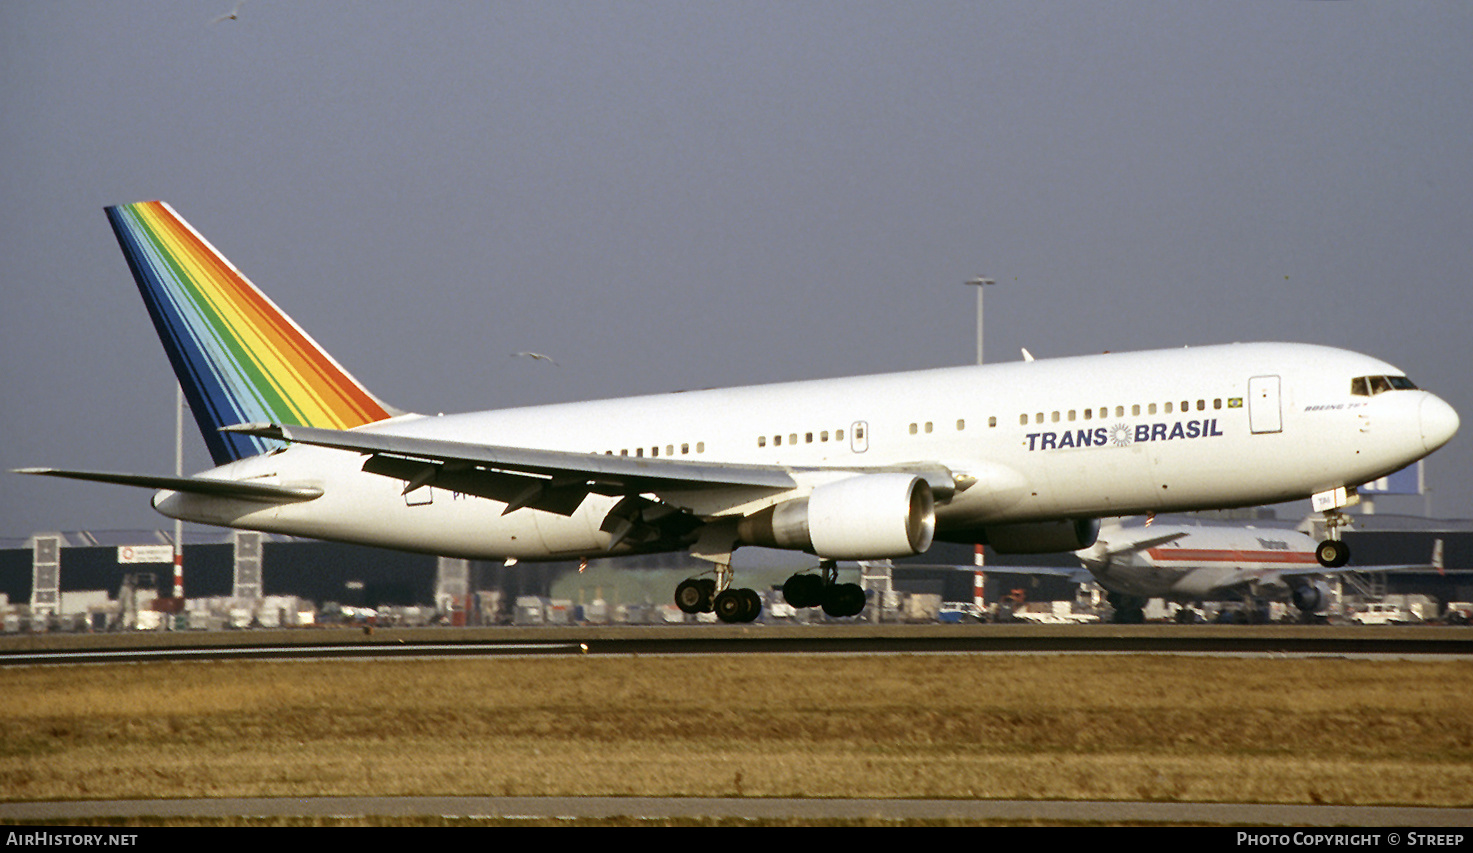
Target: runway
[[54, 649]]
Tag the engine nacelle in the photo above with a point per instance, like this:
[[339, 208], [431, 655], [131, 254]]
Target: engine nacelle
[[869, 517], [1311, 597], [1042, 537]]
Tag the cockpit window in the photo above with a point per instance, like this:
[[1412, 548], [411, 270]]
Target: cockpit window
[[1370, 386]]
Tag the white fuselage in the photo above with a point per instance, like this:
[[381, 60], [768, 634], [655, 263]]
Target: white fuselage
[[1081, 437]]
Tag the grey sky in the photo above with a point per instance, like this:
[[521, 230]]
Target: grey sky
[[679, 195]]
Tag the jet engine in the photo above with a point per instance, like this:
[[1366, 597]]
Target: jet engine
[[869, 517], [1311, 597], [1042, 537]]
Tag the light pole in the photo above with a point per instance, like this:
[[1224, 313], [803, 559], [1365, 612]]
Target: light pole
[[179, 472], [981, 284]]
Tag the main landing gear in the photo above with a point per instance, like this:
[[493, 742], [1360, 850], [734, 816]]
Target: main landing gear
[[1128, 609], [733, 605], [823, 590], [705, 595]]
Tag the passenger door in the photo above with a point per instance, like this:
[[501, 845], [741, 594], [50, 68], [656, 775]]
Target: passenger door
[[1264, 415]]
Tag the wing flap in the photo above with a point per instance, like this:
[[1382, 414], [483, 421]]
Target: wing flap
[[514, 490]]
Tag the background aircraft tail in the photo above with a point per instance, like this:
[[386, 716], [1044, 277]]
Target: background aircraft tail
[[238, 357]]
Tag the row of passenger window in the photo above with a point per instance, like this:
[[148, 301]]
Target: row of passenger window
[[1101, 413], [821, 437], [685, 450], [929, 427], [1135, 410]]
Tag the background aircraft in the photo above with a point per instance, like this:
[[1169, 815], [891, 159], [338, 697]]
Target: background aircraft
[[1195, 561]]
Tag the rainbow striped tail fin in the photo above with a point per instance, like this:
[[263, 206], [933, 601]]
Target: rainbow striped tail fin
[[238, 357]]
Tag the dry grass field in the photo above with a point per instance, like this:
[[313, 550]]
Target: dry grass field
[[966, 726]]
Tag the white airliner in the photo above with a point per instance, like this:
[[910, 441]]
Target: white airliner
[[1025, 456], [1195, 562]]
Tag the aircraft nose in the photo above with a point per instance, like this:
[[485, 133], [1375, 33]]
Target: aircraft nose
[[1439, 422]]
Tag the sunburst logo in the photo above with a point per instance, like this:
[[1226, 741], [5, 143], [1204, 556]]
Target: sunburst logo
[[1121, 435]]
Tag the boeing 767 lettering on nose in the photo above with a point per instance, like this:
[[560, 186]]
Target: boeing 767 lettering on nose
[[1026, 456]]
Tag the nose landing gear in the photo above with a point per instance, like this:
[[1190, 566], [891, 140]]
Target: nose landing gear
[[1333, 553]]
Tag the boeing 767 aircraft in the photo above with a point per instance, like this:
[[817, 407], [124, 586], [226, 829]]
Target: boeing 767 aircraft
[[1026, 457]]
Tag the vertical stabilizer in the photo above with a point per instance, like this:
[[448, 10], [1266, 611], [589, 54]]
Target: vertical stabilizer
[[237, 356]]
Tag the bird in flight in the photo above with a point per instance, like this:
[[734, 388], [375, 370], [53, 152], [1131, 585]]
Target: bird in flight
[[232, 15], [535, 356]]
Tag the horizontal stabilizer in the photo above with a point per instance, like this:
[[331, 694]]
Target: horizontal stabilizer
[[195, 485]]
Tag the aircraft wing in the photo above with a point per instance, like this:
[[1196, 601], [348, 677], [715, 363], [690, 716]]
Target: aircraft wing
[[1074, 575], [1078, 575], [197, 485], [1306, 575], [1434, 563], [549, 480]]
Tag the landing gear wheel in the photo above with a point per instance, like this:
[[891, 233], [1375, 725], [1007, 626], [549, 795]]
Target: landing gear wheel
[[694, 595], [737, 605], [1332, 553], [843, 599], [1129, 610], [803, 591], [753, 603]]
